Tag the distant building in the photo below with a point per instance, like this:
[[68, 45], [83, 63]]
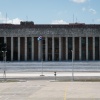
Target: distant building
[[57, 42]]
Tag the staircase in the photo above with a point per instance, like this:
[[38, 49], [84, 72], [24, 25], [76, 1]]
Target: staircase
[[82, 66]]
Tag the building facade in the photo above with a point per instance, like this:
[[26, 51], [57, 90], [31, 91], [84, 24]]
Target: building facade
[[58, 42]]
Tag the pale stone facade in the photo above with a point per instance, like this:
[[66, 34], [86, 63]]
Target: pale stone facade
[[57, 44]]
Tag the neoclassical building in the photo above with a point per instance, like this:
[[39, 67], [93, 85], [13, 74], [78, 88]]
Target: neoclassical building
[[58, 42]]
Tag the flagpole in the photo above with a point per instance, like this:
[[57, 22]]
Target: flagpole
[[40, 39], [42, 56]]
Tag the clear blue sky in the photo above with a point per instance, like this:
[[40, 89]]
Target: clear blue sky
[[50, 11]]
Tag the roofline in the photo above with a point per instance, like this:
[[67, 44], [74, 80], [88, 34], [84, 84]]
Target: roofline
[[32, 25]]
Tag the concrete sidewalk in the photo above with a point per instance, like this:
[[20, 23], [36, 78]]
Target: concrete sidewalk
[[66, 76], [34, 74]]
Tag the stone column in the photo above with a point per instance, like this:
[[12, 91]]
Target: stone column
[[73, 38], [66, 48], [80, 48], [32, 45], [52, 48], [5, 39], [93, 48], [99, 48], [46, 49], [39, 50], [60, 49], [86, 48], [25, 48], [18, 48], [12, 49]]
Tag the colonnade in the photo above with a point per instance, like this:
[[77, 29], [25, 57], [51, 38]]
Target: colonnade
[[53, 48]]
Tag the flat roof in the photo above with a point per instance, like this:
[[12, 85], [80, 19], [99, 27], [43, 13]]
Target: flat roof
[[32, 25]]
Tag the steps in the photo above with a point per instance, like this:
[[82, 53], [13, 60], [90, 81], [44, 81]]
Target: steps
[[50, 66]]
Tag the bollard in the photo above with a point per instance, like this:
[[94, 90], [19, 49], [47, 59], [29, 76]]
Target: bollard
[[55, 75]]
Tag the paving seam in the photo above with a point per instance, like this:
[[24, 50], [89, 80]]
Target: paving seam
[[65, 94]]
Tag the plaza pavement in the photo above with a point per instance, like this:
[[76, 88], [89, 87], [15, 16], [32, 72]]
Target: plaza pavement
[[49, 90], [33, 86]]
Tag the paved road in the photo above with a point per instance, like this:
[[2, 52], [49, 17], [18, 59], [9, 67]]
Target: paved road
[[49, 90]]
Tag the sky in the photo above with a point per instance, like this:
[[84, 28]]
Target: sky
[[50, 11]]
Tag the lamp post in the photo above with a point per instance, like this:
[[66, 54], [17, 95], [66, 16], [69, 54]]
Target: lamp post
[[4, 59], [4, 51], [72, 67]]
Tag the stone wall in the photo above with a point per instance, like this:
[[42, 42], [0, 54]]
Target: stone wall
[[50, 30]]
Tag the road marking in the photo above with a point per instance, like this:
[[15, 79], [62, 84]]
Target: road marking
[[65, 96]]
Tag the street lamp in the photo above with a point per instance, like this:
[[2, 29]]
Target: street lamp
[[4, 51], [4, 59], [72, 67]]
